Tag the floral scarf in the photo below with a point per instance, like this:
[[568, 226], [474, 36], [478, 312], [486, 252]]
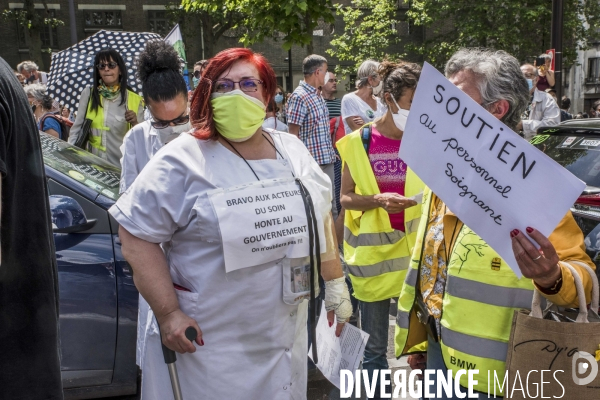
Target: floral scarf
[[109, 93]]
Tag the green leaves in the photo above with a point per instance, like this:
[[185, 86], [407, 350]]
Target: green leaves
[[519, 27], [289, 21], [369, 32]]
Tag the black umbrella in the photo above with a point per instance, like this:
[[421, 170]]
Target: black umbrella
[[72, 71]]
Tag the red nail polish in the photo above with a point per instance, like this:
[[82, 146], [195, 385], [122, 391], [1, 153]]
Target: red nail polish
[[330, 324], [514, 232], [529, 229], [201, 342]]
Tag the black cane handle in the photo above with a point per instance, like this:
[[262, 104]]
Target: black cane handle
[[168, 354]]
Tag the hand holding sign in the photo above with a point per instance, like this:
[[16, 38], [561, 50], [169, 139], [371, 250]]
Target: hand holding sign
[[539, 265], [491, 178]]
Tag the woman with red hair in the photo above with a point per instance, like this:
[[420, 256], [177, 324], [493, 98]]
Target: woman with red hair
[[242, 214]]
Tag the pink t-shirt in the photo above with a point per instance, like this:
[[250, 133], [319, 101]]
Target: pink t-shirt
[[390, 171]]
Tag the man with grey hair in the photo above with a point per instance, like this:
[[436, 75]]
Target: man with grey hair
[[542, 110], [308, 117], [29, 70], [456, 306]]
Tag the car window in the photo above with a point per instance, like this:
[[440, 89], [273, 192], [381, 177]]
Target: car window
[[579, 154], [82, 166]]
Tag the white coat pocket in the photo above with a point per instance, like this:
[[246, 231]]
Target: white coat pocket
[[188, 302], [206, 220]]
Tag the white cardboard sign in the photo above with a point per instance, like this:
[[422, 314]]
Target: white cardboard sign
[[262, 222], [489, 176]]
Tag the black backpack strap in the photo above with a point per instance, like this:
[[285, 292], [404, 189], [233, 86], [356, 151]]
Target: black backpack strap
[[365, 135]]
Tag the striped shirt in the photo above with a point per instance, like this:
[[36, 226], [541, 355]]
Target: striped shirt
[[335, 107], [307, 109]]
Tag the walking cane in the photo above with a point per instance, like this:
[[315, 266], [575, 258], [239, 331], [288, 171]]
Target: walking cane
[[170, 359]]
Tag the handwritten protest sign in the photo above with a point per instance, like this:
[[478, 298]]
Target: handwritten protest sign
[[490, 177], [262, 222]]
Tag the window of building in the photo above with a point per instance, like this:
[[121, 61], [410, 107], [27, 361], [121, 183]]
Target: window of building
[[96, 20], [158, 22], [593, 73], [48, 35]]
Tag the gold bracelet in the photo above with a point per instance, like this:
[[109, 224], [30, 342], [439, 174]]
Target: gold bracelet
[[558, 282]]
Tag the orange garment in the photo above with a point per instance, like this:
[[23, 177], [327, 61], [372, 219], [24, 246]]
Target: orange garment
[[433, 267], [442, 230]]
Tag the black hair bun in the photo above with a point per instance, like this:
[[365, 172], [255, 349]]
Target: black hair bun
[[158, 55]]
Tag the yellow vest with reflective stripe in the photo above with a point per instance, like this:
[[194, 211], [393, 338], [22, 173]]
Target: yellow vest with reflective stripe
[[376, 254], [480, 298], [97, 138]]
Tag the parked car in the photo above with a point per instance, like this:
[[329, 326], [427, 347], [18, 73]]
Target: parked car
[[575, 144], [98, 300]]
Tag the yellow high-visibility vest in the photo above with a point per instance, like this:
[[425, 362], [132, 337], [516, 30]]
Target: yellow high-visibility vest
[[97, 138], [376, 254], [480, 298]]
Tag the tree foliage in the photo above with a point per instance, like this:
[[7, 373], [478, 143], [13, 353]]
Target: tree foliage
[[520, 27], [33, 22], [369, 31], [291, 21], [205, 20]]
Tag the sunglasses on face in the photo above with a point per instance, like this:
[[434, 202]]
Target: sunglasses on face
[[246, 85], [158, 124], [197, 74], [110, 65]]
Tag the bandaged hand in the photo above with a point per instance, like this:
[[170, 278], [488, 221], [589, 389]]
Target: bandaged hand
[[337, 301]]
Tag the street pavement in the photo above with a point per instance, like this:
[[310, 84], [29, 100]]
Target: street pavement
[[323, 389]]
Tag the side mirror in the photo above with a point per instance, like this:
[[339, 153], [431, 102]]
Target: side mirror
[[68, 216]]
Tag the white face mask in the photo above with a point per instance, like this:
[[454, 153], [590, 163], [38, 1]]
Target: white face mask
[[377, 89], [401, 117], [165, 135]]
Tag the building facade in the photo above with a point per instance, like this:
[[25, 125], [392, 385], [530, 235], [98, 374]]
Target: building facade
[[582, 80]]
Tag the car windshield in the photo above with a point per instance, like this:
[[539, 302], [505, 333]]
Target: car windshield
[[579, 154], [82, 166]]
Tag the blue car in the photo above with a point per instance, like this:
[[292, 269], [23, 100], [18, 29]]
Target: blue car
[[98, 300]]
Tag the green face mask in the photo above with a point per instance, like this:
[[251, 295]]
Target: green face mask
[[237, 116]]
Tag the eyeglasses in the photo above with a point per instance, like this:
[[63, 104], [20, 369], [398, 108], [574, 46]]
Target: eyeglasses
[[110, 65], [157, 124], [246, 85], [333, 81]]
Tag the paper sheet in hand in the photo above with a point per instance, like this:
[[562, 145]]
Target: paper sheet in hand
[[489, 176], [338, 353]]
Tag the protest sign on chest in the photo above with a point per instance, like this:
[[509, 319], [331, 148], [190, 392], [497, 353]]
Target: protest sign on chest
[[490, 177], [262, 222]]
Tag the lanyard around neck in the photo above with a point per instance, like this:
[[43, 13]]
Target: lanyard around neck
[[246, 161], [313, 243]]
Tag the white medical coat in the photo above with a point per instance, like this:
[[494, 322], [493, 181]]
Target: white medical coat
[[255, 344], [544, 112], [139, 145]]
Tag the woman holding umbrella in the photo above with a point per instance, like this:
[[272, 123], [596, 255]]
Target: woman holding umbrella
[[111, 105], [248, 309]]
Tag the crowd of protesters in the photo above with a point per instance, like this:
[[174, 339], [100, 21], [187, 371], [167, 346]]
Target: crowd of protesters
[[237, 127]]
